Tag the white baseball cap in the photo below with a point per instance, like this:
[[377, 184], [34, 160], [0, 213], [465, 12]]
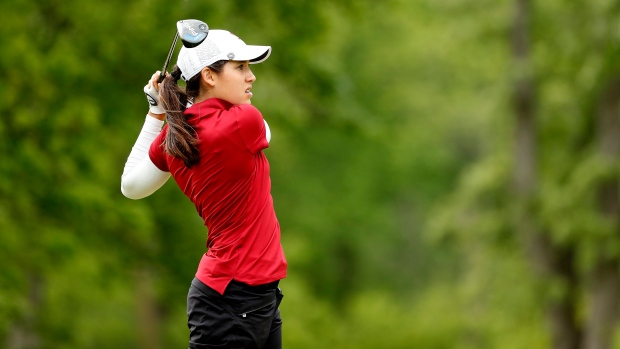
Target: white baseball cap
[[219, 45]]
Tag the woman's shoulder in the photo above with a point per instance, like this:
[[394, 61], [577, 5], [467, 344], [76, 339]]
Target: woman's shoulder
[[246, 112], [245, 109]]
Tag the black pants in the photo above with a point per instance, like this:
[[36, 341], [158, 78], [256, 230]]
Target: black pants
[[244, 317]]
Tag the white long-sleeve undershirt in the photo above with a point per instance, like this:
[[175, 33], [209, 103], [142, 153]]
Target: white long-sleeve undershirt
[[141, 177]]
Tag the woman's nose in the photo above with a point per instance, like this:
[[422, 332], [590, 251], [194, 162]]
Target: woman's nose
[[251, 77]]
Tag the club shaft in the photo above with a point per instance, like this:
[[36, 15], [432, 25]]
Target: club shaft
[[165, 68]]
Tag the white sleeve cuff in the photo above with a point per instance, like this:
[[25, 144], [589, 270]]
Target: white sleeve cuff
[[267, 131]]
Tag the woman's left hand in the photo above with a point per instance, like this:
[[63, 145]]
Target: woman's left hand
[[151, 90]]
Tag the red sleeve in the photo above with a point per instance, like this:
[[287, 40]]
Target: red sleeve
[[156, 151], [251, 127]]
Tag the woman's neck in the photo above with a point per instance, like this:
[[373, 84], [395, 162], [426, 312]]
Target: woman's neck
[[202, 97]]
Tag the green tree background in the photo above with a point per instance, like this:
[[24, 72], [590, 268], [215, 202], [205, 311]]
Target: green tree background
[[445, 172]]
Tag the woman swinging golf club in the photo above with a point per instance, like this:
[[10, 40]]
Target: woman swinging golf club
[[212, 146]]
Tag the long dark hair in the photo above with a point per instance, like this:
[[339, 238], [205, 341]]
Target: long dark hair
[[181, 140]]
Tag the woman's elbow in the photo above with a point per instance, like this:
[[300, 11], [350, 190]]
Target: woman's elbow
[[131, 192]]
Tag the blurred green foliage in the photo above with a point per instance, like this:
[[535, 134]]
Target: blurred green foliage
[[391, 164]]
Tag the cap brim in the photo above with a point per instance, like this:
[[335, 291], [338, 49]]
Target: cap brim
[[254, 54]]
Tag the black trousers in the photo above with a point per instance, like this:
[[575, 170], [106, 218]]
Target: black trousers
[[245, 317]]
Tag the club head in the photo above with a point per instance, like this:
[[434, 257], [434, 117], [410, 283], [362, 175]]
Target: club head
[[192, 32]]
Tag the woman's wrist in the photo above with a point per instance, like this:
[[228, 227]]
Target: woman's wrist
[[159, 117]]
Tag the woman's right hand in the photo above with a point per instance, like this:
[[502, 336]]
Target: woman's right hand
[[151, 90]]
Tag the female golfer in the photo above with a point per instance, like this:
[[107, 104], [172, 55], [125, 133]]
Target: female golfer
[[212, 146]]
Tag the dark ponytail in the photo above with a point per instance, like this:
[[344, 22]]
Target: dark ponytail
[[181, 140]]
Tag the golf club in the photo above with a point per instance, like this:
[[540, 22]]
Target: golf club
[[192, 33]]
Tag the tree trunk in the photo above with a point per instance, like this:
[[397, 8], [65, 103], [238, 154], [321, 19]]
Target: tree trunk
[[148, 314], [604, 279], [603, 293], [23, 334], [553, 264]]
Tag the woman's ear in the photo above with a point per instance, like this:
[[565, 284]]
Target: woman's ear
[[208, 77]]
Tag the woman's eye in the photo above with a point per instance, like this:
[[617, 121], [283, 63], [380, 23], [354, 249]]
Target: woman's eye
[[240, 67]]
